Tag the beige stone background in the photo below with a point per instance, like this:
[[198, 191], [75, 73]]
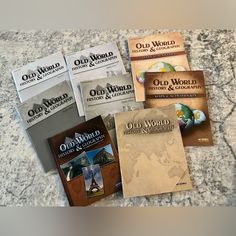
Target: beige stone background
[[212, 169]]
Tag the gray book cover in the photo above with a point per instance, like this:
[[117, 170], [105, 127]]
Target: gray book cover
[[92, 63], [46, 115], [38, 76], [108, 96]]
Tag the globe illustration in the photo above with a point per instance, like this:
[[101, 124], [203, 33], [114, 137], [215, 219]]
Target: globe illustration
[[161, 67], [140, 77], [185, 116], [156, 67]]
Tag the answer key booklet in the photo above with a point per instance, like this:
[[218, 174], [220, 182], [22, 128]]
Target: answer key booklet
[[47, 114], [92, 63], [108, 96], [151, 152], [40, 75], [87, 162]]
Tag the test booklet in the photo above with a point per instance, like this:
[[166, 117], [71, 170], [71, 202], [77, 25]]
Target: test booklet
[[96, 62], [47, 114], [108, 96], [40, 75]]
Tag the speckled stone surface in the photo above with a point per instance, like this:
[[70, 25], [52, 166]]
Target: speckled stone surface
[[213, 169]]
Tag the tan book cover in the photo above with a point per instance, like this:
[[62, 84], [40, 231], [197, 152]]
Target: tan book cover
[[155, 53], [187, 91], [151, 152]]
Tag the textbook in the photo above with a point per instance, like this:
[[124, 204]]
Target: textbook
[[92, 63], [40, 75], [87, 162], [47, 114], [108, 96], [187, 91], [155, 53], [151, 152]]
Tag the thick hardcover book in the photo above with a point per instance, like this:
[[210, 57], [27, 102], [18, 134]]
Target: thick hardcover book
[[47, 114], [187, 91], [151, 152], [87, 162], [92, 63], [40, 75], [108, 96], [158, 53]]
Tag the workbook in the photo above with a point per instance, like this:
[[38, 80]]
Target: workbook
[[159, 53], [108, 96], [40, 75], [87, 162], [92, 63], [47, 114], [187, 91], [151, 152]]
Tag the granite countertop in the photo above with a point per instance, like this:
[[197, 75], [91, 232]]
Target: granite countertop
[[22, 180]]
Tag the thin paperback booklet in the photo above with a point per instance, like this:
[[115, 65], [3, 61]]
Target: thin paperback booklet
[[157, 53], [92, 63], [187, 91], [40, 75], [151, 152], [47, 114], [87, 162], [108, 96]]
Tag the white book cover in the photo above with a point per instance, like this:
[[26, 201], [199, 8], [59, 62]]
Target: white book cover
[[93, 63], [40, 75]]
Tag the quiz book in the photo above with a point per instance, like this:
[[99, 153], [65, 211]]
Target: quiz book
[[151, 152], [40, 75], [91, 63], [47, 114], [159, 53], [87, 162], [108, 96]]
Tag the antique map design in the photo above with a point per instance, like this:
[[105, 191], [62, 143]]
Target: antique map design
[[151, 163]]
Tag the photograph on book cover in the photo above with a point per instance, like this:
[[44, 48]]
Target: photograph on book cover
[[100, 156], [73, 168], [93, 180]]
